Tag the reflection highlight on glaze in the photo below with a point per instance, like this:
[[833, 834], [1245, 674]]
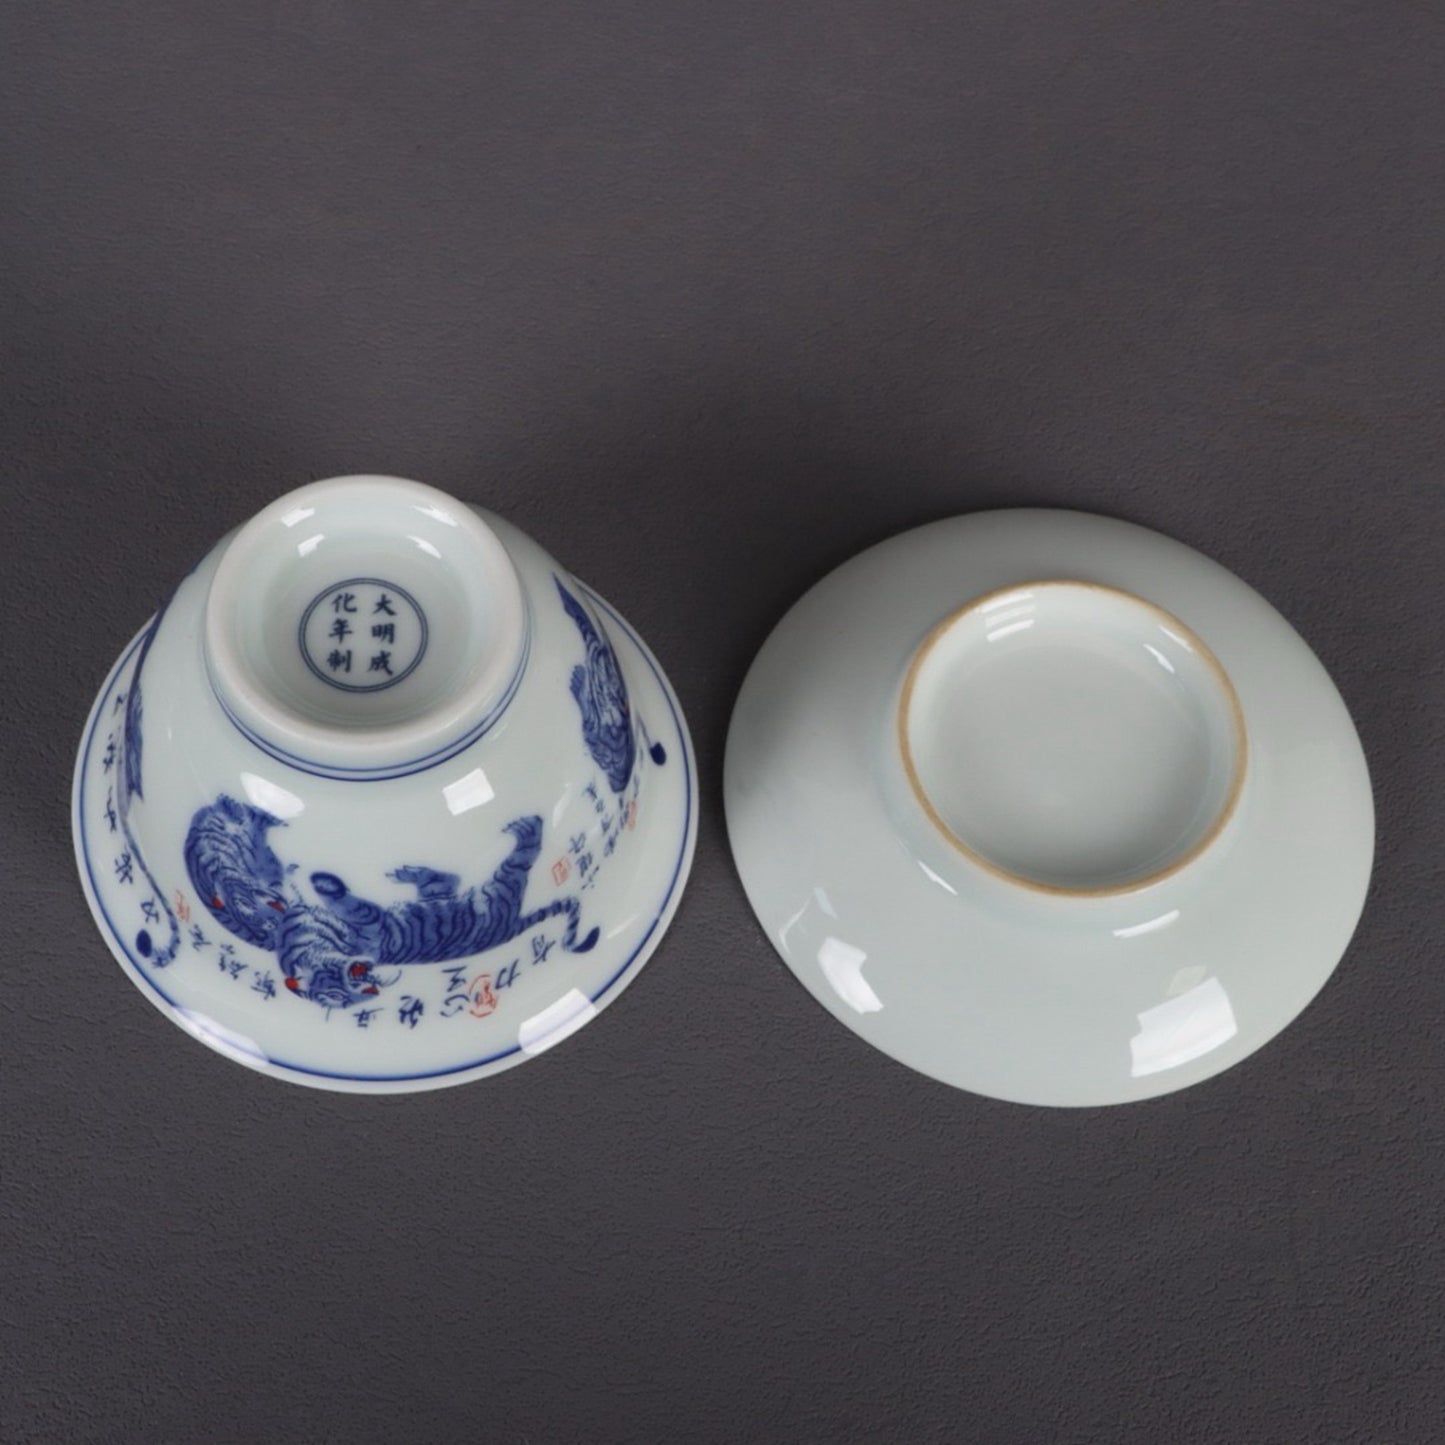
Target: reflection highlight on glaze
[[842, 966], [1013, 612], [820, 901], [538, 1033], [1182, 1029], [994, 634], [622, 925], [1009, 599], [793, 921], [271, 797], [203, 1027], [1151, 925], [1159, 657], [934, 878], [471, 790]]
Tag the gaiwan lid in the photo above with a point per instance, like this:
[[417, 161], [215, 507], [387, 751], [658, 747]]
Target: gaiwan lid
[[383, 799], [1049, 807]]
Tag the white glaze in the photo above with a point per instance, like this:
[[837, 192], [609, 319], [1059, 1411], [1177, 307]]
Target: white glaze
[[1071, 737], [1047, 864]]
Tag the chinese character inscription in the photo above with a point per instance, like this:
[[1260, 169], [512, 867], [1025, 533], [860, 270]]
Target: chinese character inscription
[[363, 634]]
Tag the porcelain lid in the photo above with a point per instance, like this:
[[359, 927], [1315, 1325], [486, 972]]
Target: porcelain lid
[[1049, 807]]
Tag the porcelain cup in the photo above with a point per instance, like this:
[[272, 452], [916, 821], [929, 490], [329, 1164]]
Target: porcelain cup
[[383, 797]]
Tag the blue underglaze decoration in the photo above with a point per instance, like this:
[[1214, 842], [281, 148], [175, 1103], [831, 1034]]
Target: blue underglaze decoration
[[338, 952], [371, 635], [658, 754], [100, 841], [602, 698], [235, 873], [130, 761], [128, 787]]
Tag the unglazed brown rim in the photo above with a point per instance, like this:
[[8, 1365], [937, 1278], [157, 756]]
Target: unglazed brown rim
[[1191, 639]]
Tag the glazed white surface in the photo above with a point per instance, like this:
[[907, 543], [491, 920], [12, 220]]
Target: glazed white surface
[[531, 761], [978, 980], [1071, 736]]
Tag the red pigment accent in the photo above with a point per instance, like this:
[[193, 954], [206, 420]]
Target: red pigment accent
[[294, 984], [484, 1001]]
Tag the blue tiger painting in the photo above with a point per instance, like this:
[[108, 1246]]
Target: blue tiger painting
[[157, 949], [601, 696], [346, 948]]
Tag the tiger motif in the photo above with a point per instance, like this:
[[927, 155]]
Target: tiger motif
[[601, 696], [345, 949]]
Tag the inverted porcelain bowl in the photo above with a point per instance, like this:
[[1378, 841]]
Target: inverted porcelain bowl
[[383, 799], [1049, 807]]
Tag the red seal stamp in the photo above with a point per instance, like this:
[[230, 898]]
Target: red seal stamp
[[483, 1000]]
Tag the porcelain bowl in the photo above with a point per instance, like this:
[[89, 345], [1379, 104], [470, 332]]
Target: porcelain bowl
[[383, 798]]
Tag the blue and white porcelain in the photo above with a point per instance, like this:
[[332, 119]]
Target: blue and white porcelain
[[383, 799], [1049, 807]]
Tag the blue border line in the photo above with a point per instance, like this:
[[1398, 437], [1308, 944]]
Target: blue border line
[[406, 672], [384, 773], [231, 1047]]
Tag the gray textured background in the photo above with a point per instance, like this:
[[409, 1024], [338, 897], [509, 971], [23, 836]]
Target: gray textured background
[[708, 297]]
